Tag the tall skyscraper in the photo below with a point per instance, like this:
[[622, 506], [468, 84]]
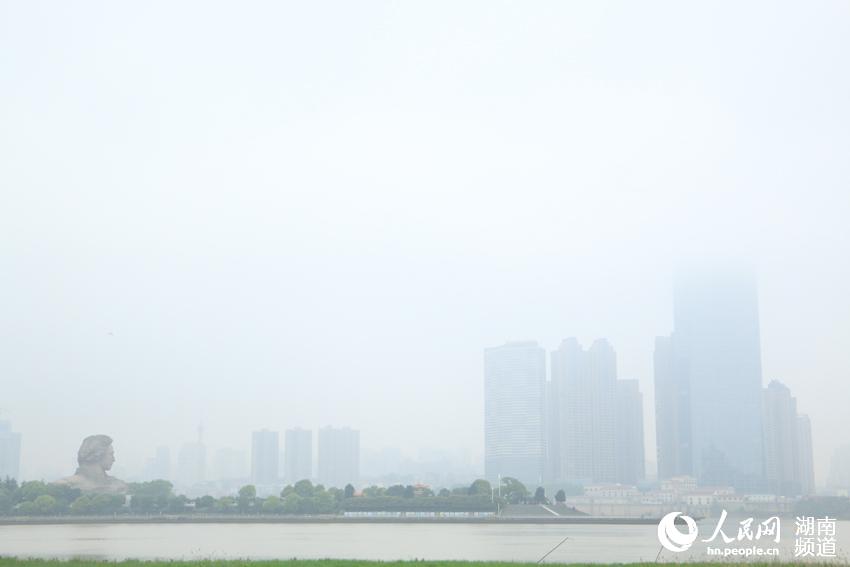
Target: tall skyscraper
[[585, 385], [631, 457], [672, 411], [713, 364], [339, 456], [806, 459], [10, 451], [265, 454], [839, 469], [781, 445], [552, 442], [192, 462], [298, 455], [514, 384]]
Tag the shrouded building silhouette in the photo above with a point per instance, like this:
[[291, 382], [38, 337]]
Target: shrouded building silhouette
[[230, 465], [631, 457], [192, 463], [585, 383], [708, 383], [298, 455], [672, 411], [807, 458], [10, 451], [514, 383], [839, 469], [594, 421], [159, 466], [787, 444], [339, 456], [265, 456]]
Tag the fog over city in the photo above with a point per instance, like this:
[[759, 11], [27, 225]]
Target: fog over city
[[278, 215]]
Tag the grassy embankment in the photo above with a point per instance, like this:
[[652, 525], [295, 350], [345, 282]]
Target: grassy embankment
[[9, 562]]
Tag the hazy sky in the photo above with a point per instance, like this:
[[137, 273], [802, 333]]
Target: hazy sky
[[270, 214]]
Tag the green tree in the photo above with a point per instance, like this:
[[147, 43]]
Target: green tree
[[25, 508], [540, 495], [247, 498], [335, 494], [64, 495], [325, 503], [225, 505], [150, 497], [480, 487], [513, 491], [31, 489], [560, 496], [82, 505], [349, 491], [444, 492], [304, 488], [395, 490], [291, 503], [372, 491], [272, 505], [6, 502], [177, 504], [107, 503], [205, 503], [45, 505]]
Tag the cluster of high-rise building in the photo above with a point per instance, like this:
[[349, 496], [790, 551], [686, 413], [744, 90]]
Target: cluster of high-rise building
[[10, 451], [338, 455], [582, 425], [714, 420], [271, 463]]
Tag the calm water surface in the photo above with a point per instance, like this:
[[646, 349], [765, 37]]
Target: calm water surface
[[507, 542]]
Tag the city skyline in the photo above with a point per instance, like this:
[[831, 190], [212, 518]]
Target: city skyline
[[553, 441]]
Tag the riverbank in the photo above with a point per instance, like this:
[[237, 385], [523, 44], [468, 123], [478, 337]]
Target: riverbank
[[278, 519]]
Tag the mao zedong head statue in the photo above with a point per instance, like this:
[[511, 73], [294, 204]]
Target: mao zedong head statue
[[95, 457]]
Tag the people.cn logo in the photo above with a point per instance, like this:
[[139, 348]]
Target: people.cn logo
[[670, 536]]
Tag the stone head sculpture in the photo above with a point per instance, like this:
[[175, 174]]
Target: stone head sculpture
[[94, 458], [96, 451]]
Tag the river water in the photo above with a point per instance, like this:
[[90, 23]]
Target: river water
[[503, 542]]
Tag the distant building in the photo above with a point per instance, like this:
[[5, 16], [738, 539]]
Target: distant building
[[781, 445], [552, 441], [672, 411], [839, 473], [788, 460], [158, 467], [806, 452], [298, 455], [631, 457], [230, 465], [339, 457], [514, 384], [265, 454], [10, 452], [378, 464], [192, 463], [585, 382], [708, 382]]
